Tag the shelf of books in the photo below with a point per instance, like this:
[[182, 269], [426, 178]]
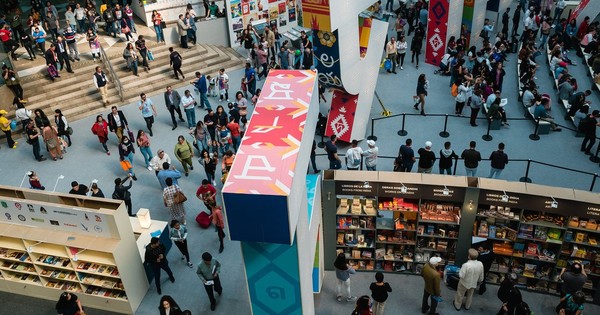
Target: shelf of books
[[42, 262], [356, 230]]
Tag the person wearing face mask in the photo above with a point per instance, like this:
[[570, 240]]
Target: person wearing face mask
[[126, 151]]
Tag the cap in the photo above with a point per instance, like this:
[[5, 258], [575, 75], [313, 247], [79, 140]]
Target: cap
[[435, 260], [3, 112], [428, 144], [371, 143]]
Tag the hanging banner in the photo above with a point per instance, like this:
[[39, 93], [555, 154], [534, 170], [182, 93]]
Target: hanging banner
[[578, 9], [341, 116], [437, 28], [315, 14]]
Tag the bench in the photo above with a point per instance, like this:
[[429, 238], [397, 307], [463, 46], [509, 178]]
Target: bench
[[565, 103]]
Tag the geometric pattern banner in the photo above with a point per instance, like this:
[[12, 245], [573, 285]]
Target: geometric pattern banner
[[341, 116], [437, 29]]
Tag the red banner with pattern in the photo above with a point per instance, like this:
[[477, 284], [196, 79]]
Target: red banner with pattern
[[437, 29], [341, 116]]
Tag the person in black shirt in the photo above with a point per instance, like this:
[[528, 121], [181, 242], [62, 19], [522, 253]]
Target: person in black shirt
[[446, 156], [122, 193], [334, 161], [34, 140], [69, 304], [504, 292], [379, 293], [588, 127], [313, 156], [156, 258], [499, 160], [426, 158], [407, 155], [472, 158], [78, 189]]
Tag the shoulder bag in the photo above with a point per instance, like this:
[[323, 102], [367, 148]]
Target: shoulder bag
[[179, 197]]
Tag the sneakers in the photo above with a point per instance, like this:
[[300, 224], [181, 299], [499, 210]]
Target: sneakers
[[350, 299], [189, 264], [149, 168], [339, 298], [107, 152]]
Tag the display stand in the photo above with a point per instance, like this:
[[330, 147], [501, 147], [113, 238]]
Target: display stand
[[395, 222], [52, 242]]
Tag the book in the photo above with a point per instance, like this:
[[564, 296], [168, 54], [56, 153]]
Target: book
[[492, 231], [532, 249], [540, 233], [483, 229], [518, 249], [568, 236]]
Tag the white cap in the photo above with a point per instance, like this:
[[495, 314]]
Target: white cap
[[435, 260], [371, 143], [428, 144]]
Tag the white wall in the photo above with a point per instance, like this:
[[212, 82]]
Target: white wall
[[479, 12], [455, 20]]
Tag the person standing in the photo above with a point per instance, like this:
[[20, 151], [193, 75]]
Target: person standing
[[184, 153], [62, 125], [572, 304], [446, 156], [117, 123], [33, 138], [505, 21], [250, 76], [27, 43], [176, 209], [200, 84], [157, 23], [182, 30], [334, 161], [175, 61], [471, 158], [189, 104], [573, 279], [50, 135], [353, 156], [401, 46], [208, 272], [168, 306], [426, 158], [156, 258], [144, 144], [392, 53], [342, 274], [101, 82], [223, 82], [148, 111], [371, 155], [407, 156], [486, 257], [379, 293], [217, 220], [505, 289], [475, 104], [422, 86], [207, 193], [128, 12], [172, 101], [471, 275], [499, 159], [96, 191], [62, 52], [78, 189], [516, 20], [588, 127], [5, 126], [431, 279], [417, 44], [72, 44], [179, 235], [51, 24], [167, 171], [234, 130], [69, 304], [191, 28], [313, 157], [158, 160], [121, 192]]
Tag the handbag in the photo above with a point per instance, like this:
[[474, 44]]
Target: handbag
[[126, 165], [125, 29], [179, 197], [150, 55], [387, 64], [13, 124], [70, 131], [163, 24]]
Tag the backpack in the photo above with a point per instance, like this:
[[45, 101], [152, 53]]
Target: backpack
[[454, 90]]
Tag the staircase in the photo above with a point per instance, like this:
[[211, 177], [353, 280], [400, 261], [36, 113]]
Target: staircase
[[77, 97]]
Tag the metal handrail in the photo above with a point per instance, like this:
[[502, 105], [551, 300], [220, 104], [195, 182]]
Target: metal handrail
[[111, 72]]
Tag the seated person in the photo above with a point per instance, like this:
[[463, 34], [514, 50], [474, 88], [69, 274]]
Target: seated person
[[560, 70], [529, 96], [540, 112], [497, 112], [588, 38], [581, 114], [445, 65]]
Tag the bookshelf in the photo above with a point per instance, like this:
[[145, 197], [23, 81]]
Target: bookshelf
[[42, 261], [356, 230]]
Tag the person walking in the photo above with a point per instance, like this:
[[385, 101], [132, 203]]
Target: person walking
[[172, 101], [101, 82], [209, 161], [250, 76], [446, 157], [505, 289], [33, 138], [200, 84], [208, 272], [426, 158], [175, 61], [100, 129], [62, 52], [168, 306], [217, 220], [117, 122], [363, 306], [422, 86], [93, 43], [515, 304], [50, 135], [334, 161], [121, 192], [140, 45], [179, 235], [156, 258], [158, 160], [588, 127], [407, 156], [148, 111], [471, 158], [499, 159], [379, 293], [184, 153], [201, 137], [370, 155], [431, 279], [342, 274], [189, 104], [52, 62], [132, 58], [471, 275], [417, 44], [62, 125], [126, 151], [176, 207], [144, 144], [72, 43], [392, 52], [353, 156], [167, 171]]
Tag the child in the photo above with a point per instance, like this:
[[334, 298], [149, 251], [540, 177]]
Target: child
[[379, 293], [34, 181], [212, 82]]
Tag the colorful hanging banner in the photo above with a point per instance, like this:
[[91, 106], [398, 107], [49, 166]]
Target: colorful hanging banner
[[341, 116], [315, 15], [437, 28]]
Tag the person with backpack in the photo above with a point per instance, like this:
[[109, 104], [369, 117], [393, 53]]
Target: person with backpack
[[504, 292], [121, 192]]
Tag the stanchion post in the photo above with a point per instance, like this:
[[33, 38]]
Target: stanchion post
[[372, 136], [322, 143], [593, 182], [487, 136], [455, 165], [445, 134], [526, 179], [402, 132], [594, 158], [534, 136]]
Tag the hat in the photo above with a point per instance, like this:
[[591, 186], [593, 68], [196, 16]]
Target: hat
[[3, 112], [435, 260], [428, 144], [371, 143]]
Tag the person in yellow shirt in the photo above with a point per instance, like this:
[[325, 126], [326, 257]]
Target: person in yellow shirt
[[5, 126]]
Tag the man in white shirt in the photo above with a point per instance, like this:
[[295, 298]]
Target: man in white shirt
[[371, 156], [158, 160], [471, 275], [353, 156]]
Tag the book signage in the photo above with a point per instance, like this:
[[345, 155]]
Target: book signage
[[398, 190], [365, 188]]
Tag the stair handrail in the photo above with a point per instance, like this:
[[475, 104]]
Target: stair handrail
[[111, 72]]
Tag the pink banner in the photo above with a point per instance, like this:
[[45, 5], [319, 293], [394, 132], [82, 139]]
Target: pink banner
[[578, 9], [437, 28], [341, 116]]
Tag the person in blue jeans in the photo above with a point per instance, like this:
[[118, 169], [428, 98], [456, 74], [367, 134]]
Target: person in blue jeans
[[144, 144], [126, 151], [250, 75], [148, 111], [498, 159], [156, 20], [189, 103], [201, 86], [334, 160]]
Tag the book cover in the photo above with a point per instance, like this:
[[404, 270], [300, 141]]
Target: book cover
[[532, 249], [518, 249], [540, 233], [492, 231]]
